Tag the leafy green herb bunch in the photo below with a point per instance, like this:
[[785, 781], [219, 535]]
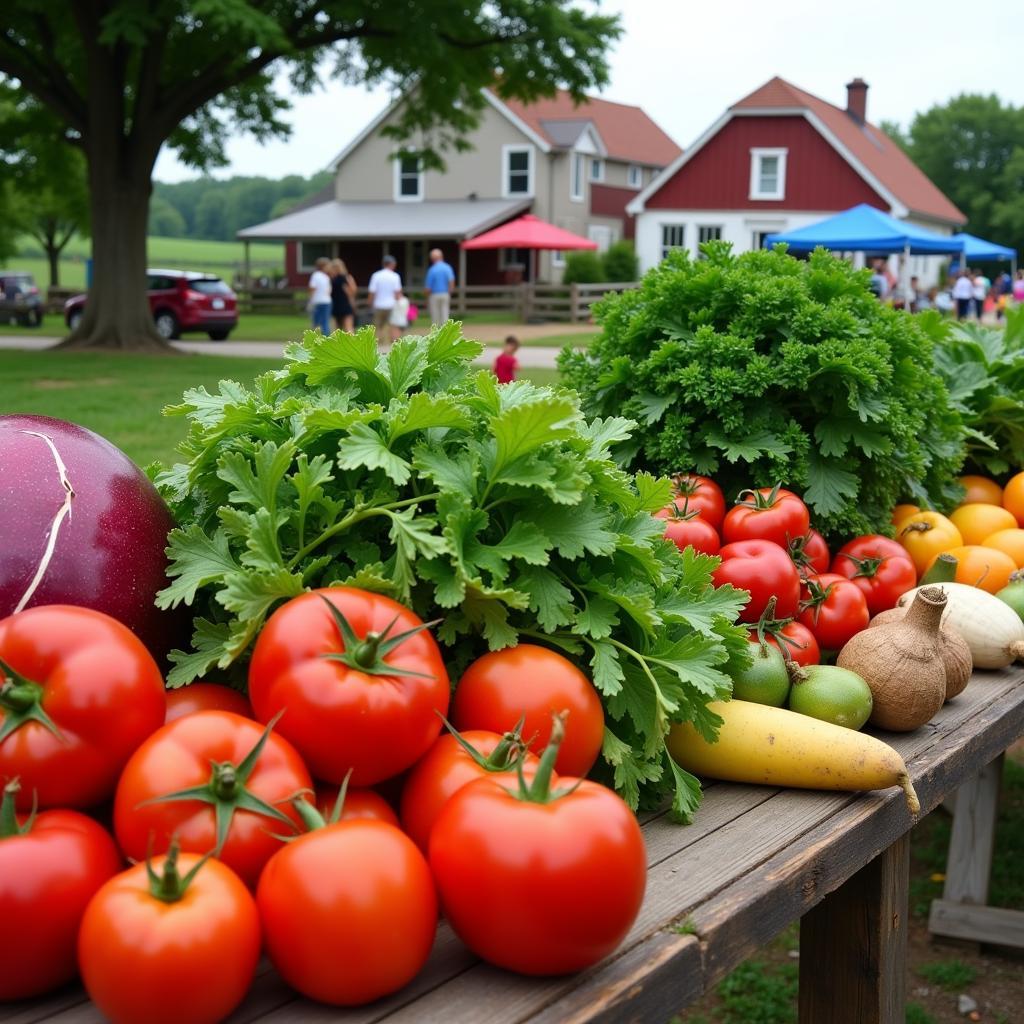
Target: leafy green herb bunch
[[762, 368], [498, 508]]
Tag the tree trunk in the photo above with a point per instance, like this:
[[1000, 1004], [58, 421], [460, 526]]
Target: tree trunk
[[53, 258], [117, 314]]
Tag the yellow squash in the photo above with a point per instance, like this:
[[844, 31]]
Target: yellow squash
[[775, 747]]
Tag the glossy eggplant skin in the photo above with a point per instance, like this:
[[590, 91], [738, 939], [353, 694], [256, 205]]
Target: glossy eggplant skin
[[66, 488]]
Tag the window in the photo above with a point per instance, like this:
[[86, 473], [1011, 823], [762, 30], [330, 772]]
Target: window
[[513, 259], [597, 169], [557, 258], [517, 171], [408, 180], [757, 242], [707, 233], [672, 237], [635, 176], [576, 178], [768, 173], [602, 234], [310, 252]]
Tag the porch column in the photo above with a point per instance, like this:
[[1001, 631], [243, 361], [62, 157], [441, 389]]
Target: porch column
[[460, 301], [246, 266]]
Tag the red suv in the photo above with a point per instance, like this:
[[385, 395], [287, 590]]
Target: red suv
[[181, 300]]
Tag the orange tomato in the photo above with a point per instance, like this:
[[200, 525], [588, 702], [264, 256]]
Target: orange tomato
[[981, 490], [1011, 542], [977, 521], [901, 512], [986, 568], [925, 535], [1013, 497]]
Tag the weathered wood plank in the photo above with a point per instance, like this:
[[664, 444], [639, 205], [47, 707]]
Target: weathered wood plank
[[972, 840], [994, 925], [32, 1010], [853, 946]]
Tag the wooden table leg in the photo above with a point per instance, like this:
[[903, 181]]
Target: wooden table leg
[[853, 946]]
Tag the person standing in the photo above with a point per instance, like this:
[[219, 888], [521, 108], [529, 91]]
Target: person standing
[[506, 365], [343, 290], [320, 297], [963, 293], [439, 285], [385, 290], [979, 293]]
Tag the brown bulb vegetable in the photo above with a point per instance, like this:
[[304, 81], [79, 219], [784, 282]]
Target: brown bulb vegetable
[[956, 652], [902, 664]]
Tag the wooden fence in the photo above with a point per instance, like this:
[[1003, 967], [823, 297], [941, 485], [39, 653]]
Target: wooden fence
[[562, 302]]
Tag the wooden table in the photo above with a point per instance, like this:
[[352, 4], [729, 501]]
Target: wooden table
[[754, 860]]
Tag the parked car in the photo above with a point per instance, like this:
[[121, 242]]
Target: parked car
[[182, 302], [20, 299]]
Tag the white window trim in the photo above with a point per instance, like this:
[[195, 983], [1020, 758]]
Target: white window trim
[[506, 151], [399, 198], [557, 258], [300, 255], [600, 168], [637, 172], [756, 156], [664, 249], [576, 160]]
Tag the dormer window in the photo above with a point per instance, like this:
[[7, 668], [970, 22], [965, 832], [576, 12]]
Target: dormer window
[[768, 174], [408, 179], [517, 171], [597, 169]]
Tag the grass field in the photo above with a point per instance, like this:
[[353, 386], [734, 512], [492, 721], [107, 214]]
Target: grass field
[[186, 253], [120, 396]]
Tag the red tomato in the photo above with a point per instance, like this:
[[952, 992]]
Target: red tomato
[[770, 513], [447, 767], [572, 879], [797, 643], [356, 699], [81, 693], [528, 684], [810, 553], [210, 754], [703, 495], [170, 949], [186, 700], [765, 571], [349, 911], [834, 609], [687, 528], [880, 567], [50, 867], [359, 805]]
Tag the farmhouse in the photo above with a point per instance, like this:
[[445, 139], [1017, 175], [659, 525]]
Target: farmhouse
[[779, 159], [575, 166]]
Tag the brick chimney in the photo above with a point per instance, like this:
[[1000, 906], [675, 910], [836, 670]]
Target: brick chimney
[[857, 100]]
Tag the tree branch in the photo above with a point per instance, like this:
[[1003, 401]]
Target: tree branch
[[55, 91], [479, 44]]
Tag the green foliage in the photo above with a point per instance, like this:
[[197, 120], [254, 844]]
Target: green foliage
[[165, 220], [972, 147], [498, 509], [917, 1014], [754, 994], [583, 267], [620, 262], [984, 369], [952, 975], [762, 368]]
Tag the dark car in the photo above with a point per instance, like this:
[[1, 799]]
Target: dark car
[[20, 300], [182, 301]]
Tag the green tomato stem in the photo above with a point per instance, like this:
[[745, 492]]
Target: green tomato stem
[[539, 790], [311, 817], [8, 818], [224, 781]]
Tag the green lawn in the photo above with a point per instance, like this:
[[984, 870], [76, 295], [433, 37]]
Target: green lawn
[[120, 396]]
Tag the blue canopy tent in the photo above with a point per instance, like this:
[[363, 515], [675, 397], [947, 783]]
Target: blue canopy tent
[[978, 249], [865, 228]]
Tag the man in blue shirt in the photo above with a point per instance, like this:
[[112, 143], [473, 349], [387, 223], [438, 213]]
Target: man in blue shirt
[[439, 285]]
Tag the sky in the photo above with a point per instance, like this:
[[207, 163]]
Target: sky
[[684, 62]]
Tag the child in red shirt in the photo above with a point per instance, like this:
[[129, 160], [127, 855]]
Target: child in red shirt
[[506, 365]]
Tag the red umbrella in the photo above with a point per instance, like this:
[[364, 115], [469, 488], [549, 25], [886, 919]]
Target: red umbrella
[[528, 232]]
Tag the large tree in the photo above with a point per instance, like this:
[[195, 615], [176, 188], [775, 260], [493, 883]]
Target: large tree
[[972, 147], [127, 77]]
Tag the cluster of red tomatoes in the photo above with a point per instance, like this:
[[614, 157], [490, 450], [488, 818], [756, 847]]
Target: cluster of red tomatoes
[[251, 825], [800, 597]]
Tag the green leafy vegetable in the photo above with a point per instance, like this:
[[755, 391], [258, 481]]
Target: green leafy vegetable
[[762, 368], [984, 368], [497, 509]]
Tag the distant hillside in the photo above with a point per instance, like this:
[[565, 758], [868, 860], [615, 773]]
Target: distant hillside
[[217, 208]]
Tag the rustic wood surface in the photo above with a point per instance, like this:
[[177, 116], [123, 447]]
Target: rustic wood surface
[[754, 860], [972, 839]]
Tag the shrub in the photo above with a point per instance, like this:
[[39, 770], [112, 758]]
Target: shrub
[[583, 267], [620, 262], [762, 368]]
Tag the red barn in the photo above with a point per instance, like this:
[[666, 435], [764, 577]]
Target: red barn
[[777, 160]]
